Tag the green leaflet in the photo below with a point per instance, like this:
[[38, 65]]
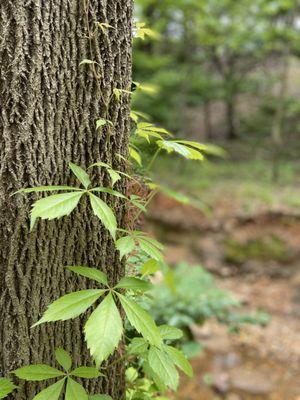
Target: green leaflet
[[170, 332], [141, 320], [131, 283], [138, 346], [86, 372], [125, 245], [150, 267], [114, 176], [150, 249], [38, 372], [55, 206], [135, 155], [104, 213], [180, 360], [70, 306], [171, 146], [109, 191], [163, 366], [6, 387], [80, 174], [100, 397], [92, 273], [103, 330], [63, 358], [52, 392], [47, 189], [75, 391]]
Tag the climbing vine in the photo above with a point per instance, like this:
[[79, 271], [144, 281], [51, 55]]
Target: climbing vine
[[152, 363]]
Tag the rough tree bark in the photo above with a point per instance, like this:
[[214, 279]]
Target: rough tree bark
[[49, 106]]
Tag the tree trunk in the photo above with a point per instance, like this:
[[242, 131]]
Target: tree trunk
[[49, 105], [231, 119]]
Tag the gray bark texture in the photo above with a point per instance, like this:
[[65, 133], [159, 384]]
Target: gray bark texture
[[49, 106]]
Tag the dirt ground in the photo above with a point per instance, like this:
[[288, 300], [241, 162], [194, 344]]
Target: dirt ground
[[257, 258]]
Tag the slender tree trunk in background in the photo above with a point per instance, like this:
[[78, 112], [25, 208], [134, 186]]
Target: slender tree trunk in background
[[208, 121], [49, 106], [279, 117], [230, 112]]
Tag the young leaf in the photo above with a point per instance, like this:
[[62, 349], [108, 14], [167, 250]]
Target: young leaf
[[55, 206], [6, 387], [80, 174], [138, 346], [70, 306], [104, 213], [63, 358], [163, 366], [75, 391], [180, 360], [103, 330], [92, 273], [150, 267], [141, 320], [109, 191], [86, 61], [38, 372], [170, 332], [102, 122], [131, 283], [125, 245], [47, 189], [150, 249], [52, 392], [86, 372], [135, 155]]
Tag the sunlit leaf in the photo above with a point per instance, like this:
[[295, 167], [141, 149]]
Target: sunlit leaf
[[141, 320], [63, 358], [38, 372], [150, 267], [75, 391], [104, 213], [52, 392], [6, 387], [80, 174], [164, 367], [132, 283], [70, 306], [125, 245], [103, 330], [180, 360], [92, 273], [55, 206]]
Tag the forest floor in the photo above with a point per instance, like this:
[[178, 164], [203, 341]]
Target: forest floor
[[251, 244]]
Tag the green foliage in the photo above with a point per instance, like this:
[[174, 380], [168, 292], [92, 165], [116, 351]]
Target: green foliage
[[41, 372], [6, 387]]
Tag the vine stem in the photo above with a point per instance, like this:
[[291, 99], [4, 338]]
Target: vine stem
[[153, 159]]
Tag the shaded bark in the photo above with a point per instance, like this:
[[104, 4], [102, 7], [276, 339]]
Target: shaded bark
[[49, 106]]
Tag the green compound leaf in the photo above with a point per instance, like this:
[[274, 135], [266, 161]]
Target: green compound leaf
[[125, 245], [70, 306], [132, 283], [103, 330], [80, 174], [63, 358], [52, 392], [92, 273], [55, 206], [86, 372], [38, 372], [141, 320], [170, 332], [162, 364], [75, 391], [6, 387], [104, 213], [180, 360]]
